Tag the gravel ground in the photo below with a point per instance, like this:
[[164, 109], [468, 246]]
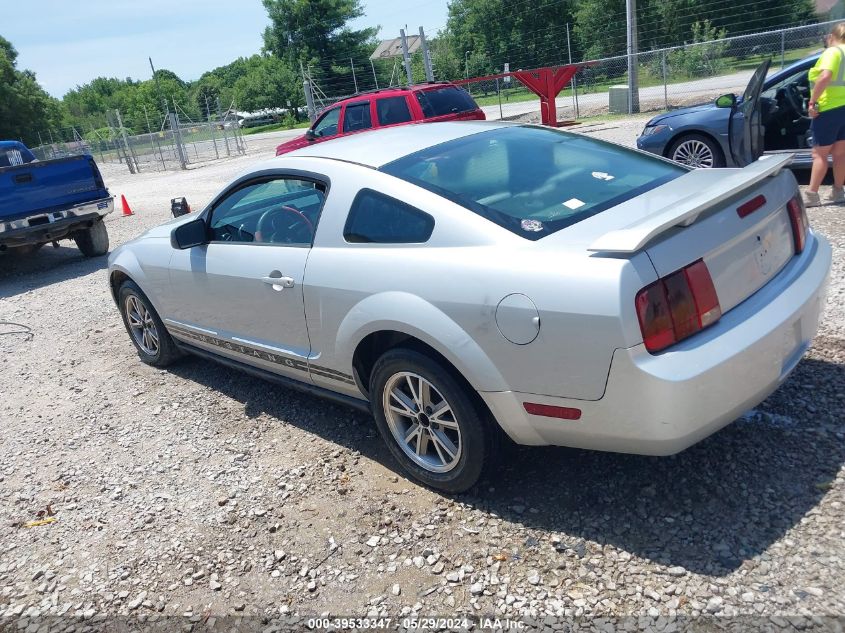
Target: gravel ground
[[202, 492]]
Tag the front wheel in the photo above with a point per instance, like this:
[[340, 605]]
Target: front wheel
[[696, 150], [145, 328], [93, 241], [430, 422]]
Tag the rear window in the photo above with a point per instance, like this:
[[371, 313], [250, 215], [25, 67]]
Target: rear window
[[13, 154], [446, 100], [533, 181]]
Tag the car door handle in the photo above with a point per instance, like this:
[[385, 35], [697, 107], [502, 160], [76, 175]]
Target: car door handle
[[278, 283]]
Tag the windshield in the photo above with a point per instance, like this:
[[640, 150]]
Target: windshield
[[533, 181]]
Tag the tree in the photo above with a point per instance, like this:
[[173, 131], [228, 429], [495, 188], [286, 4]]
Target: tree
[[315, 33], [488, 33], [25, 108], [268, 83], [600, 25]]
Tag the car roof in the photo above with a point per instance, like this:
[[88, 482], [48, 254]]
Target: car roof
[[395, 90], [380, 146]]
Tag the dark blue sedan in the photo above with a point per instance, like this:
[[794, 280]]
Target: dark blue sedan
[[770, 117]]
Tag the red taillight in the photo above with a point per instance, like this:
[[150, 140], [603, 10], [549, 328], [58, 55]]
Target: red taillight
[[677, 306], [704, 292], [800, 222], [549, 411], [747, 208], [655, 318]]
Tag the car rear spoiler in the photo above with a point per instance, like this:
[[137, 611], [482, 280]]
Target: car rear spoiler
[[681, 201]]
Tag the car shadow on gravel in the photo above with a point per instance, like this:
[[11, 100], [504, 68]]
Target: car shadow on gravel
[[708, 509], [23, 272]]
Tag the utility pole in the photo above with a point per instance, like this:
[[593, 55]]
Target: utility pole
[[429, 73], [375, 77], [633, 81], [149, 129], [407, 57], [309, 100], [158, 91], [572, 83], [131, 161], [351, 63]]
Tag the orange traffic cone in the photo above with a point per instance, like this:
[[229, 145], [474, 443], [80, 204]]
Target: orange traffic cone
[[126, 210]]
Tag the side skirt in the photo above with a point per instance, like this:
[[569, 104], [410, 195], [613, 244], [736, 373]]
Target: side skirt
[[349, 401]]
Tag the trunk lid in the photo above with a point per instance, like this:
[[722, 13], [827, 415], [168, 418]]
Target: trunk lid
[[697, 216]]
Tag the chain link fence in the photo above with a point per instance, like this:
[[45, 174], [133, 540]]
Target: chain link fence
[[668, 78], [179, 143]]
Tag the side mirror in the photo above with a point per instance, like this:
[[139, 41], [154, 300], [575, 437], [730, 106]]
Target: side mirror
[[309, 135], [188, 235], [726, 101]]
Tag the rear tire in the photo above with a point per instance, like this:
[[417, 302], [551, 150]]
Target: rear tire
[[448, 440], [145, 328], [93, 241], [697, 150]]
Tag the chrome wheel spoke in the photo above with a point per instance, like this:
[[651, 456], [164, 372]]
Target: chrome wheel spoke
[[134, 320], [413, 435], [423, 442], [439, 449], [425, 394], [414, 387], [442, 441], [406, 405], [441, 410]]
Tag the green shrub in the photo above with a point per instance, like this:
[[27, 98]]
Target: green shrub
[[704, 57]]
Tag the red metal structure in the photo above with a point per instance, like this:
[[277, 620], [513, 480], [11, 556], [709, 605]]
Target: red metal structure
[[546, 83]]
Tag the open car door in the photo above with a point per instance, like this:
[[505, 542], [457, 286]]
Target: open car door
[[746, 127]]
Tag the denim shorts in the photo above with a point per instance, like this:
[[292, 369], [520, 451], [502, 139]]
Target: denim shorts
[[829, 127]]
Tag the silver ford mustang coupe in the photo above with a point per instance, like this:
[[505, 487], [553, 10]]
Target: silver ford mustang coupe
[[466, 281]]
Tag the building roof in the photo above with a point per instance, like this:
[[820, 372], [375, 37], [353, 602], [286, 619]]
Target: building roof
[[393, 48]]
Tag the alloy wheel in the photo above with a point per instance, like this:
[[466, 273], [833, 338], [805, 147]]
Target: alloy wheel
[[141, 325], [422, 422], [694, 153]]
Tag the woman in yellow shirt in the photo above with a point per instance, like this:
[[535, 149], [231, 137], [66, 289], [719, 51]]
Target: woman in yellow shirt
[[827, 109]]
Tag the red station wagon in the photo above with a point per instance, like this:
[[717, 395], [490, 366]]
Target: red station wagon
[[391, 106]]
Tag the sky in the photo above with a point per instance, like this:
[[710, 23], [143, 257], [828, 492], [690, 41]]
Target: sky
[[70, 43]]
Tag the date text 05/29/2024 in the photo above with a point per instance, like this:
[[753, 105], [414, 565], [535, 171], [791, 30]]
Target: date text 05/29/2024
[[416, 623]]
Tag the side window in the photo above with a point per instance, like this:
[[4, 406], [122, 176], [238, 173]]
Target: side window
[[799, 79], [378, 219], [392, 110], [327, 125], [357, 117], [278, 211]]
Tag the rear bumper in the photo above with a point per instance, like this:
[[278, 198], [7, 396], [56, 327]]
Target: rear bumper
[[55, 225], [661, 404]]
